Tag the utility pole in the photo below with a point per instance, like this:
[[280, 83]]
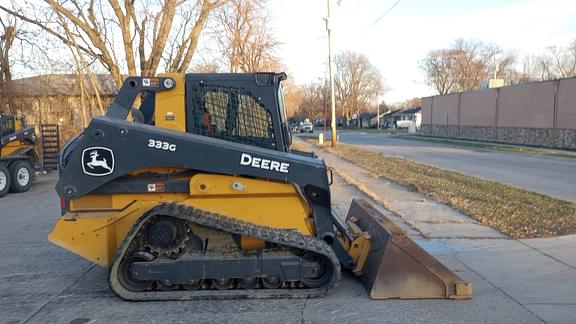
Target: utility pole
[[378, 116], [332, 96], [324, 101], [495, 67]]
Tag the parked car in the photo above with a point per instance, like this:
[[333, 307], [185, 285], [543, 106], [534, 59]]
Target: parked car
[[293, 127], [306, 127]]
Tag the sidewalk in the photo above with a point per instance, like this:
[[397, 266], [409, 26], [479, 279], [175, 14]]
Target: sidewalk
[[537, 274]]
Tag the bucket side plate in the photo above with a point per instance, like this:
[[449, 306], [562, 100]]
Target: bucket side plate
[[397, 267]]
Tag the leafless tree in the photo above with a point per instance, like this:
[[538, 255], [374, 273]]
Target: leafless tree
[[504, 66], [145, 31], [532, 68], [293, 97], [206, 67], [527, 70], [358, 83], [463, 66], [6, 42], [438, 66], [315, 96], [245, 38], [571, 58], [554, 63], [471, 60], [409, 103], [544, 67], [562, 60], [89, 89]]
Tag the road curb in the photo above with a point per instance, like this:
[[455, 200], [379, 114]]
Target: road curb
[[373, 195]]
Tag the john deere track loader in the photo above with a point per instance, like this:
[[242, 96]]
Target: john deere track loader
[[17, 155], [197, 194]]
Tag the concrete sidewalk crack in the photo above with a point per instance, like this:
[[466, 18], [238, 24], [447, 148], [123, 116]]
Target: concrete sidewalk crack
[[25, 243], [559, 304], [440, 222], [348, 179], [498, 288], [302, 320], [29, 317], [472, 238], [547, 255]]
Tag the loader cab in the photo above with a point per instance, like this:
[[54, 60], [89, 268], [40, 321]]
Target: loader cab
[[246, 108], [7, 125]]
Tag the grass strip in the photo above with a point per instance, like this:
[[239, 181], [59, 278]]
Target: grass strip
[[515, 212]]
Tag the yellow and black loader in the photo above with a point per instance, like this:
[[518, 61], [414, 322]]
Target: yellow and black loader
[[196, 194], [17, 155]]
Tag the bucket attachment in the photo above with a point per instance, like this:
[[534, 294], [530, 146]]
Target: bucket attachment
[[396, 267]]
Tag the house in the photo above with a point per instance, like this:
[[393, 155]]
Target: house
[[64, 85], [58, 99], [388, 119], [401, 118], [362, 120], [374, 120], [408, 116]]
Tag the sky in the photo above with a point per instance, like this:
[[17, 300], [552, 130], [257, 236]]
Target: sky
[[399, 40]]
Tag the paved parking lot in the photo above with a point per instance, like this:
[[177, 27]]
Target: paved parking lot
[[41, 283]]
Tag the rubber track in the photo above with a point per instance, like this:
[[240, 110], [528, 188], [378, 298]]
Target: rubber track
[[285, 237]]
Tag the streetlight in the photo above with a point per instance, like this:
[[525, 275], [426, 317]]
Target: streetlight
[[332, 96]]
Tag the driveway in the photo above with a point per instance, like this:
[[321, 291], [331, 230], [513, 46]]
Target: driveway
[[552, 176], [41, 283]]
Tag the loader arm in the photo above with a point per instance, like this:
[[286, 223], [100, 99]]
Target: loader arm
[[129, 143]]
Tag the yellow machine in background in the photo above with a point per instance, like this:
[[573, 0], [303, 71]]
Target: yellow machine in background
[[17, 155]]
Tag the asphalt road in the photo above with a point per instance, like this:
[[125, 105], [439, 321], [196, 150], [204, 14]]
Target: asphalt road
[[41, 283], [552, 176]]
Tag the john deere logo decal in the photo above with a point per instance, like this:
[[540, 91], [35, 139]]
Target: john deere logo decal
[[97, 161]]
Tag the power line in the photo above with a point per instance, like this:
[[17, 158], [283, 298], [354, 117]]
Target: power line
[[382, 16]]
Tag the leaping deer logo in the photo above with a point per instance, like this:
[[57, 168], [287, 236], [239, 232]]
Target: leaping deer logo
[[98, 163]]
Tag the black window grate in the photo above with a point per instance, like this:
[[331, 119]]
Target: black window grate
[[230, 113], [6, 125]]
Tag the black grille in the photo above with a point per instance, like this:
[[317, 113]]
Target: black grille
[[229, 113], [6, 125]]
